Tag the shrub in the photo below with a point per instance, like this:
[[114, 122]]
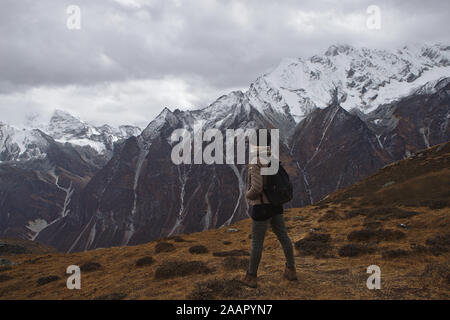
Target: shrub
[[5, 268], [164, 247], [381, 213], [90, 266], [112, 296], [439, 243], [4, 278], [181, 268], [232, 253], [435, 204], [366, 235], [198, 249], [45, 280], [235, 263], [6, 248], [418, 248], [217, 288], [355, 250], [145, 261], [315, 244], [372, 224], [395, 253], [437, 274], [330, 216]]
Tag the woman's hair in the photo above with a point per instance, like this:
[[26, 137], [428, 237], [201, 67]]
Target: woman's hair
[[261, 143]]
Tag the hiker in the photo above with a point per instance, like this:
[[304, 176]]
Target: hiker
[[262, 212]]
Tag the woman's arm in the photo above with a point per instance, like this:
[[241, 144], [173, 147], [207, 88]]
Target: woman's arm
[[256, 182]]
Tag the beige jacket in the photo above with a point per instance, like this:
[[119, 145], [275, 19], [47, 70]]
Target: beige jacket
[[255, 180]]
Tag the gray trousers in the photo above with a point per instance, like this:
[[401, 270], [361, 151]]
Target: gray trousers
[[258, 234]]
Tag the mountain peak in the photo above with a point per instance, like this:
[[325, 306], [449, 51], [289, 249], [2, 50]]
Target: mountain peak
[[152, 130], [336, 49], [61, 113], [366, 78]]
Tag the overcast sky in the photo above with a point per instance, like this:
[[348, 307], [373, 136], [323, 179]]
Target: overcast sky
[[131, 58]]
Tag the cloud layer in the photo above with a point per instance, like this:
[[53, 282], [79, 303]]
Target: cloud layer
[[131, 58]]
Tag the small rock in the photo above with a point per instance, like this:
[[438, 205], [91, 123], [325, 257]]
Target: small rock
[[402, 225], [90, 266], [300, 218], [232, 230]]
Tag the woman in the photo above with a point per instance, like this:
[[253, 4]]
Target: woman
[[260, 208]]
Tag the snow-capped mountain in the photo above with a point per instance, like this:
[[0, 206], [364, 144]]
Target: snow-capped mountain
[[44, 165], [365, 78], [342, 115], [64, 127], [21, 144]]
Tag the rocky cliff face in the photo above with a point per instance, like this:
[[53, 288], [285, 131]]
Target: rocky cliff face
[[36, 190], [333, 149], [41, 173], [140, 194]]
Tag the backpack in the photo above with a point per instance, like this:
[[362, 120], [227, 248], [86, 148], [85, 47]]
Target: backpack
[[278, 188]]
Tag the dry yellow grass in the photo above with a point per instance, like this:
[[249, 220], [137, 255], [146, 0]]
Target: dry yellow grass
[[334, 277]]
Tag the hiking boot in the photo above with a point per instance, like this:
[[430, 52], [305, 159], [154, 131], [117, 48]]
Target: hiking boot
[[249, 280], [290, 274]]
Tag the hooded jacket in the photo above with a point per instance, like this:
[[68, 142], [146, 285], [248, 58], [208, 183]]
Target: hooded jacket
[[255, 179]]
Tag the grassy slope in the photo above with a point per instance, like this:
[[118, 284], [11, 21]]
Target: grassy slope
[[419, 184]]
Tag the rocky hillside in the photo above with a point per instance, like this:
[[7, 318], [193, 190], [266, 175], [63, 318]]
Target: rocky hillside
[[397, 219]]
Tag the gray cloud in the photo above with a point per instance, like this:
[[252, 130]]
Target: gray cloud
[[133, 57]]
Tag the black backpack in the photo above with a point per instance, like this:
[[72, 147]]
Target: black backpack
[[278, 188]]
